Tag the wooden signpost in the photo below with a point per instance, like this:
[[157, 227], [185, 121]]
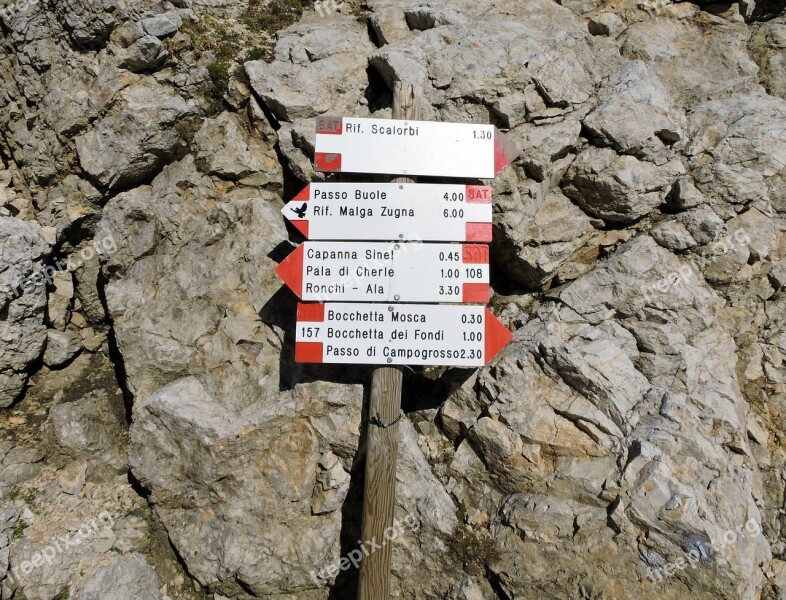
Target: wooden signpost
[[384, 295]]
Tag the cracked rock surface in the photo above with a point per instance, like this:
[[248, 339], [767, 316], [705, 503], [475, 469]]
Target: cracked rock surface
[[158, 440]]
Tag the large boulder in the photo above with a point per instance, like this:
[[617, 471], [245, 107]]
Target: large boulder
[[250, 477], [695, 54], [132, 144], [577, 444], [636, 115], [738, 149], [224, 148], [319, 67], [618, 188], [90, 429], [558, 241], [209, 260]]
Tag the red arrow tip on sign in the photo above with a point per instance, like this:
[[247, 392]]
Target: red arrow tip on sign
[[304, 195], [497, 336], [302, 227], [290, 271], [504, 151]]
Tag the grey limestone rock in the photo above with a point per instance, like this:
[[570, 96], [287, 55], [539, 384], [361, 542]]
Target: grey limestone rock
[[23, 250], [61, 346], [90, 429], [606, 24], [636, 115], [768, 47], [673, 235], [581, 385], [145, 54], [639, 252], [126, 577], [211, 313], [618, 188], [162, 25], [253, 479], [319, 67], [130, 146], [390, 25], [88, 23], [227, 150], [744, 138]]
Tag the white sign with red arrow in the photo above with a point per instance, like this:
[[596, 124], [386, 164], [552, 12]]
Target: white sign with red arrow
[[428, 148], [392, 211], [388, 272], [399, 334]]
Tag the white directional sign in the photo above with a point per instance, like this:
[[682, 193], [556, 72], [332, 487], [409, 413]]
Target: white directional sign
[[388, 272], [400, 334], [383, 146], [392, 211]]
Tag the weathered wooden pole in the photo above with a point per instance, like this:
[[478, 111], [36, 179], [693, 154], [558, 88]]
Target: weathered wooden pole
[[379, 493]]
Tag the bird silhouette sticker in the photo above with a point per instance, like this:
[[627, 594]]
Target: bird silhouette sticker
[[301, 212]]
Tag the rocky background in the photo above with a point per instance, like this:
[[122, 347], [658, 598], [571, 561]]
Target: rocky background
[[157, 439]]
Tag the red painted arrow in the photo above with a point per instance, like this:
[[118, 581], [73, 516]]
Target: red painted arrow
[[504, 151], [305, 194], [290, 271], [497, 336]]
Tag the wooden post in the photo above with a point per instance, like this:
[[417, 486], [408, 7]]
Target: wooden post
[[379, 493]]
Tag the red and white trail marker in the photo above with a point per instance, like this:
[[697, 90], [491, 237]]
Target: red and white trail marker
[[398, 334], [428, 148], [392, 211], [388, 272]]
